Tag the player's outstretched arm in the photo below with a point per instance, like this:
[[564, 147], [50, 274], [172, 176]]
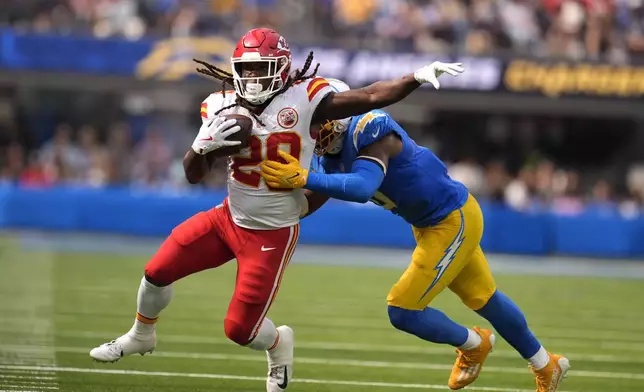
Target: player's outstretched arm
[[381, 94]]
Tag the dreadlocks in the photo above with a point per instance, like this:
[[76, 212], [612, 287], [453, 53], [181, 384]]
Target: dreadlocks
[[227, 78], [300, 75]]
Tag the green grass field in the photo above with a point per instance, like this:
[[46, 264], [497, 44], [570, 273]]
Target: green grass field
[[55, 307]]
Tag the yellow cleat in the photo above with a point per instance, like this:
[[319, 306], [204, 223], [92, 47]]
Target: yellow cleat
[[469, 362], [549, 378]]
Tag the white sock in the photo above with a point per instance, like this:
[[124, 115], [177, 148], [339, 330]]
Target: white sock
[[473, 340], [151, 300], [267, 337], [540, 359]]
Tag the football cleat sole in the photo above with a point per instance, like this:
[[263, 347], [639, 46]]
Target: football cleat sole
[[118, 359]]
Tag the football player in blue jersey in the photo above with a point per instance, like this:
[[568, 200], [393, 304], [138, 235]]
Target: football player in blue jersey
[[371, 158]]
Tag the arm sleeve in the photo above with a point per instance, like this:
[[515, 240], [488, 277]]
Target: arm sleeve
[[358, 186]]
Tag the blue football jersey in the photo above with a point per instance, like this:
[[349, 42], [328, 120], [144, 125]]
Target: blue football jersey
[[416, 185]]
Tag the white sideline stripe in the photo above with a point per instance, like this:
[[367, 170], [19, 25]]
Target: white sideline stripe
[[336, 346], [27, 386], [247, 378], [366, 364]]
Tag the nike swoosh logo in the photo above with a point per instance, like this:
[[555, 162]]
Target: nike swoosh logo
[[207, 138], [267, 249], [294, 175], [284, 383], [375, 134]]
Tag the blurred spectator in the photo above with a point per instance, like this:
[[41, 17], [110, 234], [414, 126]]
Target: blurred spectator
[[601, 200], [119, 148], [94, 158], [520, 192], [470, 174], [496, 180], [61, 157], [152, 160], [14, 163], [36, 175], [567, 195]]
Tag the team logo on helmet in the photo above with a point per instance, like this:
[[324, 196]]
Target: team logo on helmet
[[287, 118], [282, 45]]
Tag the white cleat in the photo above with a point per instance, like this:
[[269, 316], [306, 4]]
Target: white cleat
[[122, 346], [280, 361]]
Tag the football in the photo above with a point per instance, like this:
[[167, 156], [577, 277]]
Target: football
[[246, 124]]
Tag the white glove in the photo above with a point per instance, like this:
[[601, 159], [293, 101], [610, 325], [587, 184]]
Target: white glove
[[430, 73], [212, 135]]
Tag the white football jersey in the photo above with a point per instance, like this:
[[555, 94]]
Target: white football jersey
[[285, 124]]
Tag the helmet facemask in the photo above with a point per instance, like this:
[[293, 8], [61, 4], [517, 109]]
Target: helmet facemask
[[330, 137], [331, 134], [257, 78]]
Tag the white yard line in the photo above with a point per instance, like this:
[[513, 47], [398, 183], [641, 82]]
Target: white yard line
[[246, 378], [31, 306], [19, 376], [364, 364], [634, 357]]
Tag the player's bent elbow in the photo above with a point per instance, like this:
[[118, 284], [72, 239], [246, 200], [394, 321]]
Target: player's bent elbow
[[193, 180], [363, 194], [192, 177], [195, 167]]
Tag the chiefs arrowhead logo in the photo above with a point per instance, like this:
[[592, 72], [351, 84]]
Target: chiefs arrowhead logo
[[282, 45], [287, 118]]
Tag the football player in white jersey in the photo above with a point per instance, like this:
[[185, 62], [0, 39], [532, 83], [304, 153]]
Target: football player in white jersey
[[257, 225]]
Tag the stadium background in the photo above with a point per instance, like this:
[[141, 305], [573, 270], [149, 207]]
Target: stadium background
[[99, 101]]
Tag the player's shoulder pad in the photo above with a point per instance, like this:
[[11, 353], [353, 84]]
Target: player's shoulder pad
[[370, 127], [214, 102], [312, 91]]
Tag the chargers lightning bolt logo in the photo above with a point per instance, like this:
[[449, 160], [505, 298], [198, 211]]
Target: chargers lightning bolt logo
[[448, 257]]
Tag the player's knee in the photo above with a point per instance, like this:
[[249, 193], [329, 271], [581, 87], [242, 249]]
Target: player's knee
[[163, 268], [237, 332], [399, 317], [479, 300], [157, 274]]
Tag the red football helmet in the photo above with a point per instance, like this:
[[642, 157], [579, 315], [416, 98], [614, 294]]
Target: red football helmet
[[261, 64]]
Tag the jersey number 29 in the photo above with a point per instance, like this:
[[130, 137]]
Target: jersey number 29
[[261, 150]]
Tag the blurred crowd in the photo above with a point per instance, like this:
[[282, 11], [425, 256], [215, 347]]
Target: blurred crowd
[[611, 30], [84, 157], [542, 186], [595, 29]]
